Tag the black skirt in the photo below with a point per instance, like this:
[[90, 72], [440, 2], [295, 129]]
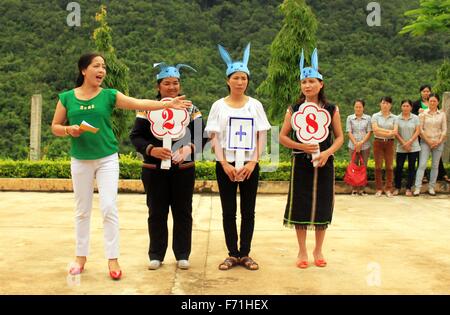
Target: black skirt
[[311, 194]]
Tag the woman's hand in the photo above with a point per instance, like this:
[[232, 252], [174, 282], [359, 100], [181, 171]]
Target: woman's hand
[[407, 146], [181, 154], [434, 144], [245, 172], [322, 158], [179, 102], [74, 131], [358, 146], [161, 153], [229, 170], [309, 148]]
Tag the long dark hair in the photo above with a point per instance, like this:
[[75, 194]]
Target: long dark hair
[[84, 61], [322, 97]]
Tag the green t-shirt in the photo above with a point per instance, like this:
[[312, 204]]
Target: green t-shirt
[[423, 105], [97, 112]]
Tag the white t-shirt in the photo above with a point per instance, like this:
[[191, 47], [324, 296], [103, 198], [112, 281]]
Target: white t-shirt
[[219, 117]]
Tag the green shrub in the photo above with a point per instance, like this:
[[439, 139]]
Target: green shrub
[[130, 168]]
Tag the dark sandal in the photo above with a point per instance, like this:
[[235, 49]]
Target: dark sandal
[[249, 263], [229, 263]]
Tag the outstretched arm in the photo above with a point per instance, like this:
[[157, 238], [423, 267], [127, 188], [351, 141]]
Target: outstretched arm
[[127, 102]]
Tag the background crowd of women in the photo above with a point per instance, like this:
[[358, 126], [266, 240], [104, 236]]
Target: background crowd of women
[[418, 131]]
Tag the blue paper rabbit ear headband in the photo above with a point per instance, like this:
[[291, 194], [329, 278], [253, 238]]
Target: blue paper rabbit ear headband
[[234, 66], [313, 71], [167, 71]]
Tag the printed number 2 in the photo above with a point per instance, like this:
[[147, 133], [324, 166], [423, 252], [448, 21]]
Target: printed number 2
[[167, 115]]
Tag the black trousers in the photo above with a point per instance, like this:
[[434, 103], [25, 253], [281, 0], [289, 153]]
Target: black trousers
[[164, 189], [228, 197], [412, 157]]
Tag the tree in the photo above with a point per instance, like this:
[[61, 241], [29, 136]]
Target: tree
[[117, 71], [298, 31], [432, 16], [443, 78]]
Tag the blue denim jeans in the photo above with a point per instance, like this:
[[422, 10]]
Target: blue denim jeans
[[436, 154]]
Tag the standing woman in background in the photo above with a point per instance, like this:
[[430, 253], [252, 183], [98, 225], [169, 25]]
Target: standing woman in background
[[408, 146], [385, 130], [359, 131], [433, 131], [237, 105], [418, 107], [173, 187], [422, 104], [95, 155], [311, 190]]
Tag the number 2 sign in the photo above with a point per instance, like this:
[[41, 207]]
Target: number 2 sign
[[168, 121], [167, 125]]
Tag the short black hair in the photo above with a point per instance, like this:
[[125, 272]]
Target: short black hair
[[424, 86], [434, 95], [386, 99], [360, 100], [406, 101]]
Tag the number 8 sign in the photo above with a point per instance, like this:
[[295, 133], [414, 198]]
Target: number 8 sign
[[311, 123]]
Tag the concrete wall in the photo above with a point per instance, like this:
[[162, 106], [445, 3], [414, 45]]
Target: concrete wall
[[201, 186]]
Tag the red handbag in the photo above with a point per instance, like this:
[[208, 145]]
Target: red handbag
[[356, 175]]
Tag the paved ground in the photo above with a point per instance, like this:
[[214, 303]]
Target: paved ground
[[374, 246]]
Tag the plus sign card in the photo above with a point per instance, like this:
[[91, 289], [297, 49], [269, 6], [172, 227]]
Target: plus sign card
[[241, 134]]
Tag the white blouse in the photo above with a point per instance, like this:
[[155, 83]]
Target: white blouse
[[220, 114]]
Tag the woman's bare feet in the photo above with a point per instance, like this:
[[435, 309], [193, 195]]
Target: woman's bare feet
[[80, 260], [113, 265], [77, 267], [114, 269], [302, 256], [302, 260], [319, 260]]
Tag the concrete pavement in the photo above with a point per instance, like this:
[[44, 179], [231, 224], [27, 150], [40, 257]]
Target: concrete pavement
[[374, 246]]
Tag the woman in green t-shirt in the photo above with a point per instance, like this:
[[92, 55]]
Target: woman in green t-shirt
[[88, 107]]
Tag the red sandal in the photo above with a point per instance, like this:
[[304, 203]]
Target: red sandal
[[320, 262], [302, 264]]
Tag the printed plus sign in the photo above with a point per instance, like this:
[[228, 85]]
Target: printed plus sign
[[240, 133]]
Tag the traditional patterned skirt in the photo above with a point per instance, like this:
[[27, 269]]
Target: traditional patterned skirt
[[311, 194]]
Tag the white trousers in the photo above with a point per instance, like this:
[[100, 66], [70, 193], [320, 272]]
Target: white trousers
[[106, 171]]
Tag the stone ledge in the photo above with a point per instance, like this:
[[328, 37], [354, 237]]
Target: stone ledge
[[201, 186]]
